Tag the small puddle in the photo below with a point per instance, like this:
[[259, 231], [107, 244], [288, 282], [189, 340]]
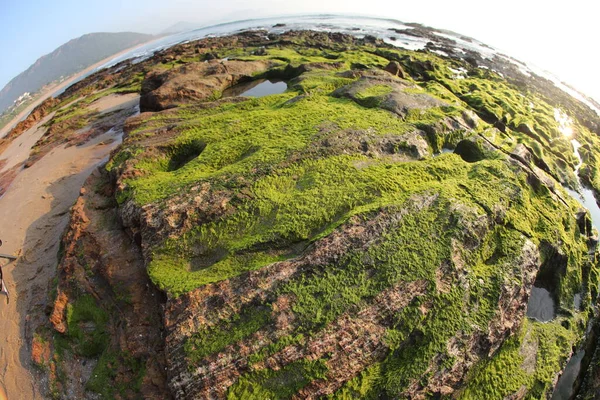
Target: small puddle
[[585, 196], [577, 301], [257, 88], [541, 305], [442, 151], [564, 388]]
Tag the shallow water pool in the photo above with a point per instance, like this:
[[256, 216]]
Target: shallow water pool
[[257, 88]]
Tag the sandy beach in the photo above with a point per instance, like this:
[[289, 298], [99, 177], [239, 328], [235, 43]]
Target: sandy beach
[[49, 90], [34, 213]]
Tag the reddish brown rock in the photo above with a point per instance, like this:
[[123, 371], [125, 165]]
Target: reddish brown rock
[[41, 353], [395, 69], [57, 319], [196, 82]]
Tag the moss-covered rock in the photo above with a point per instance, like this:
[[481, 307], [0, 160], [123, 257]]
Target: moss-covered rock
[[319, 242]]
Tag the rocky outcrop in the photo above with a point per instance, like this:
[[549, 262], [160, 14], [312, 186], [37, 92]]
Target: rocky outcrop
[[196, 82], [397, 96], [100, 260], [315, 242], [396, 69]]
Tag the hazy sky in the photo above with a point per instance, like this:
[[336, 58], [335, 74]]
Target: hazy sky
[[558, 36]]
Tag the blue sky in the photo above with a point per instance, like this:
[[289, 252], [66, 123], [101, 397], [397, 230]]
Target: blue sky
[[32, 28], [557, 36]]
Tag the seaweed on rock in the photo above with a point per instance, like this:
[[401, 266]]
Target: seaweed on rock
[[309, 243]]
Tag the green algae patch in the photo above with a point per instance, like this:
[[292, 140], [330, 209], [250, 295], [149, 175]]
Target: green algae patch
[[470, 229], [269, 132], [179, 275], [298, 203], [528, 360], [293, 205], [367, 385], [281, 384], [273, 348], [414, 250], [86, 327], [104, 374], [212, 340], [333, 59], [401, 256], [319, 82], [373, 95]]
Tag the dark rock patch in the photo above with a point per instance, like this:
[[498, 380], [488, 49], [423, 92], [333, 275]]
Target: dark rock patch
[[184, 154]]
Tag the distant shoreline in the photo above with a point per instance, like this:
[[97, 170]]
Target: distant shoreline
[[49, 90]]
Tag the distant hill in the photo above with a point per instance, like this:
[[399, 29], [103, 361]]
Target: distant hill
[[182, 26], [71, 57]]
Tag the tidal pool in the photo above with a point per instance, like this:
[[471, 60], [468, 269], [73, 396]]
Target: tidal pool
[[257, 88], [541, 305], [564, 387]]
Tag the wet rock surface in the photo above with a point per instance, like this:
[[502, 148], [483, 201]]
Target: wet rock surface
[[183, 85], [398, 98], [308, 243]]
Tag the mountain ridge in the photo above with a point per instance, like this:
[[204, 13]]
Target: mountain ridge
[[69, 58]]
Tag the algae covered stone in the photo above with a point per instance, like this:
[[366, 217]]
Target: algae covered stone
[[374, 231]]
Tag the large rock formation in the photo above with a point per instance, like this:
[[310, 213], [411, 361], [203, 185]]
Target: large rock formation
[[374, 231], [196, 82]]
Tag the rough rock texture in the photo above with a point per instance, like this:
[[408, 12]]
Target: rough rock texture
[[373, 232], [100, 259], [398, 100], [353, 342], [195, 82], [395, 69]]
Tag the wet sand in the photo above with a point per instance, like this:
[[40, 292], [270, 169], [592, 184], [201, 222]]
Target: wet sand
[[114, 102], [19, 149]]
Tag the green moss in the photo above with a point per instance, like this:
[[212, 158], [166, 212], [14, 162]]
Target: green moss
[[212, 340], [283, 342], [373, 95], [103, 378], [367, 385], [180, 275], [413, 250], [525, 116], [318, 82], [501, 375], [269, 131], [86, 324], [321, 297], [281, 384], [507, 372], [289, 55], [302, 55], [299, 202], [120, 158], [411, 361]]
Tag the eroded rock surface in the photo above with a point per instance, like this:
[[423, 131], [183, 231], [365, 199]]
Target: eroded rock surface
[[196, 82], [315, 242]]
